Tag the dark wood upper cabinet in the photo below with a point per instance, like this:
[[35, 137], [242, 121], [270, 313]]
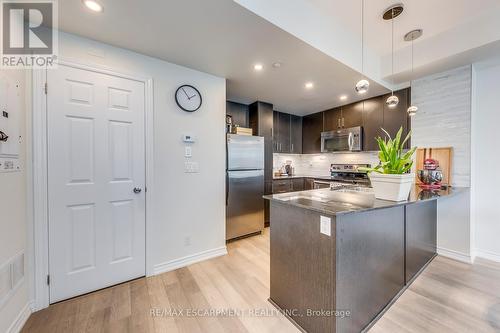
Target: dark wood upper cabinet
[[284, 132], [344, 117], [352, 115], [295, 134], [312, 126], [373, 121], [396, 117], [333, 119], [287, 133]]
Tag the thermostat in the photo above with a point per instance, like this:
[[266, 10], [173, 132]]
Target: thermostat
[[188, 138]]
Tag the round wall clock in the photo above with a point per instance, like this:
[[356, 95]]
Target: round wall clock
[[188, 98]]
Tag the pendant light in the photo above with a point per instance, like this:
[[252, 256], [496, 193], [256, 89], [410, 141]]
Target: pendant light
[[363, 84], [410, 37], [393, 12]]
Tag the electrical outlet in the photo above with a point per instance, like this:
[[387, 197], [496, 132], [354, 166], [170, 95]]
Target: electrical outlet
[[187, 241], [191, 167], [326, 225]]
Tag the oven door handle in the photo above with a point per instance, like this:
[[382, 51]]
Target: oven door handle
[[350, 141]]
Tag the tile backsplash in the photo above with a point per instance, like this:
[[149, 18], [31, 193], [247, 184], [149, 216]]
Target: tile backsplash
[[319, 164]]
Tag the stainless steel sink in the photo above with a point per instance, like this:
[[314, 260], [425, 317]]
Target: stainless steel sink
[[307, 198]]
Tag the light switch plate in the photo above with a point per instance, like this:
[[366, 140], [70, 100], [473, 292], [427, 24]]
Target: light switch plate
[[191, 167], [9, 164], [326, 225], [188, 151]]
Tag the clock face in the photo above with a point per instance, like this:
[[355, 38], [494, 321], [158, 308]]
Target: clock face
[[188, 98]]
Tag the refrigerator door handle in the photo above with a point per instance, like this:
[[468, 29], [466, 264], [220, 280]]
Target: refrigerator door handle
[[227, 188]]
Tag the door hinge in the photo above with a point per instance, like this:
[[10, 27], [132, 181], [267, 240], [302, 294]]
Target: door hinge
[[48, 279], [46, 88]]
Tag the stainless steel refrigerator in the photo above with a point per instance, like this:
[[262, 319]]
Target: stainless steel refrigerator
[[244, 185]]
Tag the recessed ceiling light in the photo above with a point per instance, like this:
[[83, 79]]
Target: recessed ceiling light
[[309, 85], [93, 5], [343, 97], [258, 67]]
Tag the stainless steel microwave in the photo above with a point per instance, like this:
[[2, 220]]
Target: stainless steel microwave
[[346, 139]]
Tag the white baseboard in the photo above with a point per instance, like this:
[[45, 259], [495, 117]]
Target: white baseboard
[[188, 260], [455, 255], [487, 255], [21, 319]]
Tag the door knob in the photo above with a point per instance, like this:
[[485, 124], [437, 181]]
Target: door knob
[[137, 190]]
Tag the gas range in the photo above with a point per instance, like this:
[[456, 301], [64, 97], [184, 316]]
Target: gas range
[[345, 177], [342, 174]]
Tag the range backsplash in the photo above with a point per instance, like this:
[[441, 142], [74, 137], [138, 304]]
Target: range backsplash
[[319, 164]]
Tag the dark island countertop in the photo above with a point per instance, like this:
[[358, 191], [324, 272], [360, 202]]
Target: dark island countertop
[[345, 201]]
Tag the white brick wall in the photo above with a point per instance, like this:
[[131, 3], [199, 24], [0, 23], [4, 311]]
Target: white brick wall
[[319, 164], [444, 117]]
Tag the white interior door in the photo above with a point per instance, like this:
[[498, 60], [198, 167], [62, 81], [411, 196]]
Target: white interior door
[[96, 158]]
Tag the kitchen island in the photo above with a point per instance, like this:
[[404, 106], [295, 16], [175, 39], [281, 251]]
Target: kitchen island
[[340, 258]]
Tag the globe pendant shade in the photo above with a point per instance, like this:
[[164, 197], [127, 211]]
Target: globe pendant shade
[[392, 101], [362, 86]]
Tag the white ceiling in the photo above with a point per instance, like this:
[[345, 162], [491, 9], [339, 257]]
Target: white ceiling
[[434, 17], [224, 39], [316, 40], [456, 33]]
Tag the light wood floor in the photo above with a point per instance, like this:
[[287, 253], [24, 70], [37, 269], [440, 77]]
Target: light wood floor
[[448, 297]]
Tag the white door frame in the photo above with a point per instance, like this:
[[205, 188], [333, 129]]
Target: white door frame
[[39, 167]]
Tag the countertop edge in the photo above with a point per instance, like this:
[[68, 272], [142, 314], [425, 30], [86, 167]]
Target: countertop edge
[[391, 204]]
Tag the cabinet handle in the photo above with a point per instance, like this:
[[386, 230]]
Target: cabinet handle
[[338, 123], [343, 123], [292, 147]]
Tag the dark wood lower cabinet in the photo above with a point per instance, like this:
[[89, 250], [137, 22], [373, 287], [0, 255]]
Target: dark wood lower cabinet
[[297, 184], [302, 267], [421, 236], [359, 269]]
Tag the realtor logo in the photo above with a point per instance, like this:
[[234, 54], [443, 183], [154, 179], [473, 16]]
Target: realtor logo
[[29, 33]]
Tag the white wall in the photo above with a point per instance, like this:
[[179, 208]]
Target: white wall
[[486, 198], [13, 216], [188, 210], [444, 120]]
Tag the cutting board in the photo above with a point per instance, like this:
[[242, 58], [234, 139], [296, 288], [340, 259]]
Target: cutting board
[[442, 155]]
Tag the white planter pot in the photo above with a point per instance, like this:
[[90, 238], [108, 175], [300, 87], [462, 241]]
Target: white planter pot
[[392, 187]]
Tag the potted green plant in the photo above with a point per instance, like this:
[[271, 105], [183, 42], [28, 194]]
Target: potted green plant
[[392, 178]]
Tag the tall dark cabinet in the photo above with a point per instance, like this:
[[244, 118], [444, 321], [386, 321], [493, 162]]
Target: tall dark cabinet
[[239, 112], [261, 121]]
